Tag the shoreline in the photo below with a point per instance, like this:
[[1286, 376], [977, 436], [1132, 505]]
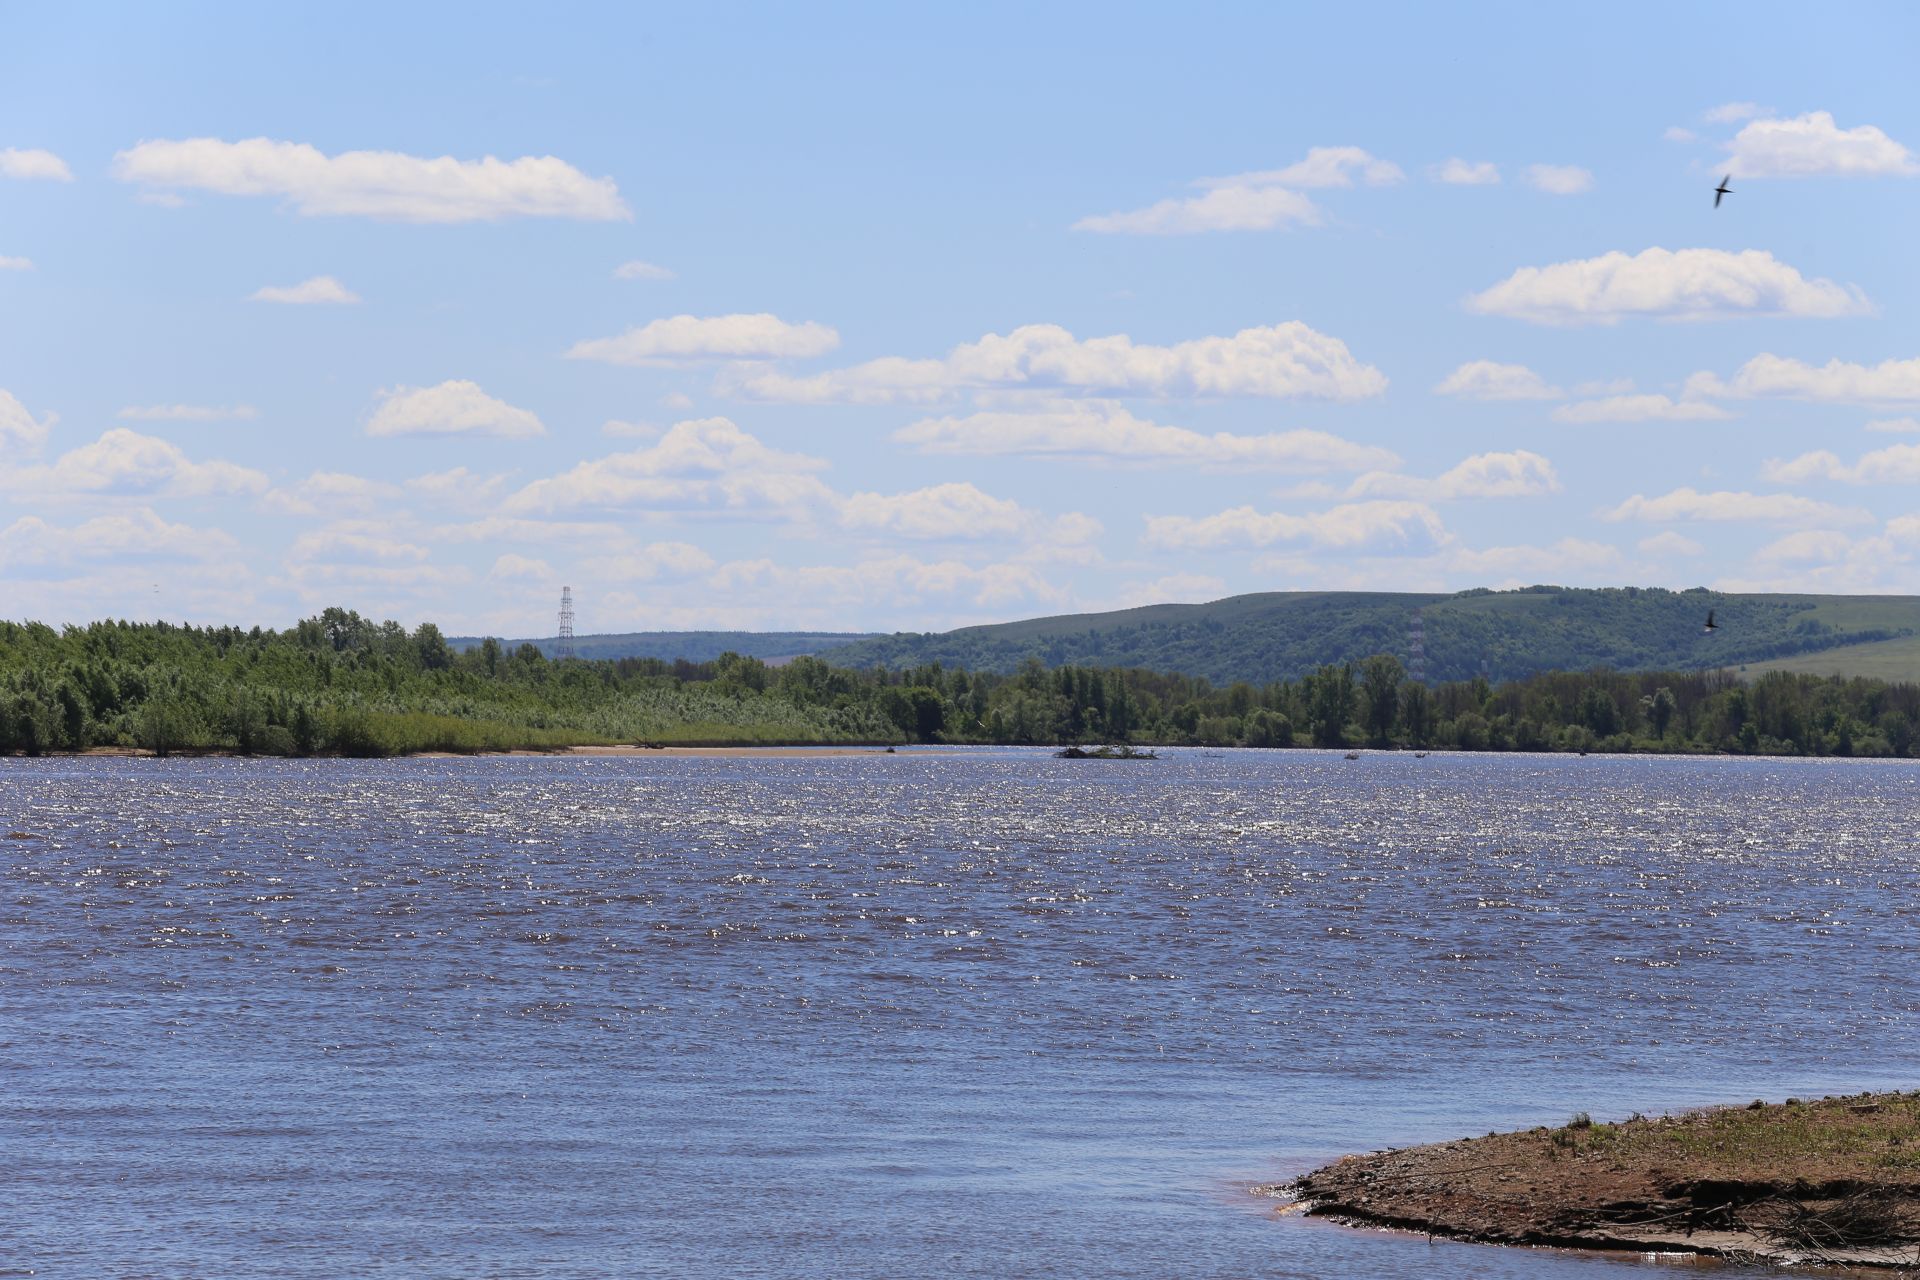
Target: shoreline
[[1828, 1182]]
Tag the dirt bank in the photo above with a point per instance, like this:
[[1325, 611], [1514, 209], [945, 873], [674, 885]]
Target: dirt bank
[[1827, 1181]]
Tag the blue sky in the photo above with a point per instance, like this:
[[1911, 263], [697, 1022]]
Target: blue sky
[[891, 317]]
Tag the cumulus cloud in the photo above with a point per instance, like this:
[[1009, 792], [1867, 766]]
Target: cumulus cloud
[[892, 581], [1837, 381], [624, 429], [1349, 527], [1518, 474], [515, 567], [125, 462], [1813, 146], [15, 264], [329, 493], [1642, 408], [1462, 173], [732, 337], [638, 270], [1284, 360], [33, 164], [457, 407], [139, 534], [1669, 544], [1258, 201], [1674, 133], [1895, 425], [1174, 588], [1103, 429], [945, 511], [649, 563], [1895, 464], [318, 290], [1732, 112], [375, 184], [20, 432], [1489, 380], [457, 486], [1664, 284], [186, 412], [1826, 560], [1756, 508], [1511, 565], [1559, 179], [703, 464]]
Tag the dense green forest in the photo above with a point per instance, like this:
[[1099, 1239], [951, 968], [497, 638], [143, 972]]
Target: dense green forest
[[343, 684], [695, 646], [1500, 634]]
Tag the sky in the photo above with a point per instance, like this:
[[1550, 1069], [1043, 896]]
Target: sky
[[852, 317]]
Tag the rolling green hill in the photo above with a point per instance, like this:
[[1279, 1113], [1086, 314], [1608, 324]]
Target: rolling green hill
[[694, 646], [1505, 635]]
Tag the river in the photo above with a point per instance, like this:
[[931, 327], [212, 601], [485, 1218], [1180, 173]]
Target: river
[[970, 1013]]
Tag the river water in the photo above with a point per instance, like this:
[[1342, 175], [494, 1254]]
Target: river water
[[976, 1013]]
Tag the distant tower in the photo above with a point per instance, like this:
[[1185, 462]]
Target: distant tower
[[564, 649], [1417, 648]]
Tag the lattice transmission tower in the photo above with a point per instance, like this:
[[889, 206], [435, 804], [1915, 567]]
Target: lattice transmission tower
[[564, 649]]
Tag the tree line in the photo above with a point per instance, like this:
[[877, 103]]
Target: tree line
[[338, 683]]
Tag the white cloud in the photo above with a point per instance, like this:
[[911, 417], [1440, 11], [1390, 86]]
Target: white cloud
[[1669, 543], [1559, 179], [376, 184], [1518, 474], [1641, 408], [703, 464], [894, 582], [653, 561], [638, 270], [1489, 380], [139, 534], [15, 264], [676, 400], [1837, 381], [318, 290], [1462, 173], [363, 542], [1758, 508], [458, 486], [329, 493], [1523, 565], [954, 510], [1895, 425], [1103, 429], [187, 412], [1824, 560], [510, 529], [1895, 464], [1323, 167], [1688, 284], [1812, 146], [20, 433], [1674, 133], [30, 165], [457, 407], [125, 462], [513, 566], [1350, 527], [1283, 360], [1258, 201], [732, 337], [1732, 112]]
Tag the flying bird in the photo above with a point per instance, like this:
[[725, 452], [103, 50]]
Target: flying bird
[[1722, 191], [1711, 626]]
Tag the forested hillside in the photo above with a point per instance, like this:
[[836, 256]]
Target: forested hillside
[[1505, 635], [343, 684]]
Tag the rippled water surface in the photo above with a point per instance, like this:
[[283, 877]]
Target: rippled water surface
[[965, 1014]]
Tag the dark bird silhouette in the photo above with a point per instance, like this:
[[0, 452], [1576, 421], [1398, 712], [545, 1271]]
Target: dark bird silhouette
[[1722, 191], [1711, 626]]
